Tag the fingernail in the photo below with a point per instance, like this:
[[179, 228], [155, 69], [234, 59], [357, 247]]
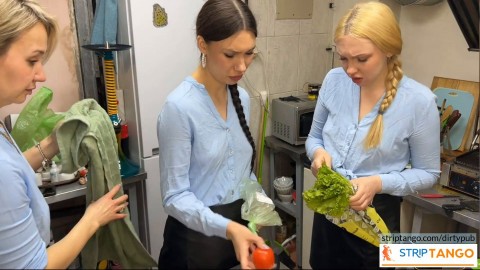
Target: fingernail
[[264, 246]]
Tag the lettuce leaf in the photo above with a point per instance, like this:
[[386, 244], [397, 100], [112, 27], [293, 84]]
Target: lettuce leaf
[[330, 194]]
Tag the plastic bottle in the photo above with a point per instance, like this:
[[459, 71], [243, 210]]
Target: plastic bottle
[[54, 173]]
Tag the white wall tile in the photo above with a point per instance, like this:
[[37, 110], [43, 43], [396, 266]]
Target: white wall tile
[[260, 11], [312, 59], [282, 66], [255, 78], [322, 18], [287, 27]]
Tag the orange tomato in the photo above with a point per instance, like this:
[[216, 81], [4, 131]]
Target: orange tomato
[[263, 258]]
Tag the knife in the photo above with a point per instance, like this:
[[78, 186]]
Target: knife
[[446, 113], [435, 196], [451, 120]]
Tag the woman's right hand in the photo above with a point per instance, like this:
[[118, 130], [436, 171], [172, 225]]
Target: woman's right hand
[[107, 209], [319, 158], [244, 242]]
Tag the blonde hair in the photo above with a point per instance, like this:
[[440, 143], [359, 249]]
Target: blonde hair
[[18, 16], [376, 22]]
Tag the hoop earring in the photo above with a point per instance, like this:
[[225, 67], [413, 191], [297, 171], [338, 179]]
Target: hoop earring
[[204, 60]]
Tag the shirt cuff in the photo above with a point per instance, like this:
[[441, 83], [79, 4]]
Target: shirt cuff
[[219, 228], [388, 183]]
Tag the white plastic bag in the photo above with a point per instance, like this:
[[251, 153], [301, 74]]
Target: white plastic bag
[[258, 208]]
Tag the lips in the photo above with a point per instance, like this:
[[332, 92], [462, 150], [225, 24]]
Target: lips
[[357, 80], [236, 78]]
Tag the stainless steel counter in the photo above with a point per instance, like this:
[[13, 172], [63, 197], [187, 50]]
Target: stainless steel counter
[[73, 190], [134, 186], [434, 205]]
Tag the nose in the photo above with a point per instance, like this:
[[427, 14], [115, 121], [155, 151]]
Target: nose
[[350, 69], [40, 74], [241, 66]]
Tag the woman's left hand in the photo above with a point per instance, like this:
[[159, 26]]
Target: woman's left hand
[[107, 208], [366, 188]]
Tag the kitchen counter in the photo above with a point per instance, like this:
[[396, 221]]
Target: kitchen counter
[[73, 190], [434, 205], [134, 186]]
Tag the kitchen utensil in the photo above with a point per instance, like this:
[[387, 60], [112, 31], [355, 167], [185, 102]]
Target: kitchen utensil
[[283, 181], [453, 118], [285, 197], [446, 113], [452, 207], [462, 101], [283, 190], [443, 106], [435, 195], [472, 206], [475, 142]]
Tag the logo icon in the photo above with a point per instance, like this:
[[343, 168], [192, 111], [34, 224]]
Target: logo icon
[[386, 253]]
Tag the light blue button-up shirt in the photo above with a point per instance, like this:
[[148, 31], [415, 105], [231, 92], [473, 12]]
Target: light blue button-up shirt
[[24, 213], [203, 158], [411, 134]]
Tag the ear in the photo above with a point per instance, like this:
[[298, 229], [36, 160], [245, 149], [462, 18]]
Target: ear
[[201, 44]]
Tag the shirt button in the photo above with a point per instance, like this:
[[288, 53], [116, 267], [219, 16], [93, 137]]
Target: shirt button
[[231, 152], [228, 130], [231, 171]]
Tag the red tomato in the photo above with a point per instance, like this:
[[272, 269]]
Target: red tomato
[[263, 258]]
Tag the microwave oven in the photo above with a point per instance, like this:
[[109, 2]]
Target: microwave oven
[[292, 118]]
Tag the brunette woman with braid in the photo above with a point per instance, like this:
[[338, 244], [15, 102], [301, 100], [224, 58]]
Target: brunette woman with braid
[[207, 148], [369, 123]]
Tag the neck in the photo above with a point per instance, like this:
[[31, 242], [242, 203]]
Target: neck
[[215, 89]]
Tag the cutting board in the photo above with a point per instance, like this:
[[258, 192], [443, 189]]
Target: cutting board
[[463, 96], [461, 101]]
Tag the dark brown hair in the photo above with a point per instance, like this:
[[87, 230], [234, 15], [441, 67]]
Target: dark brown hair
[[219, 20]]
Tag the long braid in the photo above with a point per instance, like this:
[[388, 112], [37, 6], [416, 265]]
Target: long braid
[[237, 103], [392, 80]]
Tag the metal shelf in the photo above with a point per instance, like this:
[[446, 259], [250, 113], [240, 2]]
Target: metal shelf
[[297, 154], [136, 189], [288, 208]]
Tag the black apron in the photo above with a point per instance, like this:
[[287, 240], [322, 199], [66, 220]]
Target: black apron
[[334, 248], [184, 248]]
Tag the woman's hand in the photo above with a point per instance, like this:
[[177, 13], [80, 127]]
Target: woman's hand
[[107, 209], [366, 188], [244, 242], [319, 158]]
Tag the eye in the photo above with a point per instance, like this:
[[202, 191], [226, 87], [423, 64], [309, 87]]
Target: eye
[[229, 55], [362, 60]]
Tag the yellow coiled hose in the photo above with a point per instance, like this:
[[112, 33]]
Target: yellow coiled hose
[[110, 86]]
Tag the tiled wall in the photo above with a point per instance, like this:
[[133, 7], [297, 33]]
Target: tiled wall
[[291, 54]]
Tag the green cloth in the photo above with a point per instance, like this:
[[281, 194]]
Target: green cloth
[[36, 121], [87, 137]]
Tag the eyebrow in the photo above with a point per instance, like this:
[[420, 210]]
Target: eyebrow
[[230, 50], [358, 55], [38, 52]]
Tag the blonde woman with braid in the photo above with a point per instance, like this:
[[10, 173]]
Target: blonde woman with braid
[[369, 123], [206, 148]]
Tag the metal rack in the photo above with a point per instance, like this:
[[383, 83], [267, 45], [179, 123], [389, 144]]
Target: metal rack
[[134, 186], [297, 154]]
